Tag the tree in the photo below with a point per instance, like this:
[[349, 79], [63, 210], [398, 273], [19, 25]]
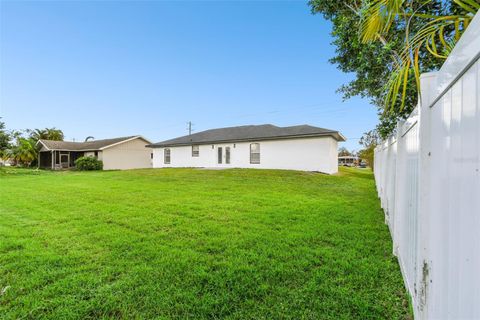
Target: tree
[[344, 152], [4, 140], [372, 62], [440, 26], [46, 134], [370, 138], [23, 152], [369, 141]]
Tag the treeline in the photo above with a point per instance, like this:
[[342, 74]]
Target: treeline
[[19, 146]]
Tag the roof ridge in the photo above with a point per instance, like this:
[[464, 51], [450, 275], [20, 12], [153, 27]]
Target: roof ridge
[[126, 137], [243, 126], [60, 141], [310, 126], [250, 132], [87, 145]]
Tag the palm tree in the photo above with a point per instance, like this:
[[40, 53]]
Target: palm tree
[[23, 152], [437, 36], [46, 134], [54, 134]]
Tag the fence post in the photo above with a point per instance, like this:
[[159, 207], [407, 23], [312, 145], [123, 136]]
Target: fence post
[[398, 179], [427, 85]]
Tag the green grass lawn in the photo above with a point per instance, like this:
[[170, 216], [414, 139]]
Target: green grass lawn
[[186, 243]]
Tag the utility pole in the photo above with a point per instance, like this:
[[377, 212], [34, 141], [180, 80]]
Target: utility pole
[[189, 127]]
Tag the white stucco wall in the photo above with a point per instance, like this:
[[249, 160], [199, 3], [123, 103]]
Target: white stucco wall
[[92, 154], [128, 155], [306, 154]]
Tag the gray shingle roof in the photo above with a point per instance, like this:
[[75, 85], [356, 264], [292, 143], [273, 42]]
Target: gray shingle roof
[[249, 133], [82, 146]]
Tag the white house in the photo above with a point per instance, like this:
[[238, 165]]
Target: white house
[[266, 146], [117, 153]]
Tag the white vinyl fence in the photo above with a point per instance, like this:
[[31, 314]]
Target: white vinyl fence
[[428, 180]]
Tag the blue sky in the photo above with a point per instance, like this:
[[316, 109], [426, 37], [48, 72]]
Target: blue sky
[[107, 69]]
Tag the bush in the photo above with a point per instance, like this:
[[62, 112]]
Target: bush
[[88, 163]]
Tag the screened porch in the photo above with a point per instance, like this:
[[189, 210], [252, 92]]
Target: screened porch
[[58, 159]]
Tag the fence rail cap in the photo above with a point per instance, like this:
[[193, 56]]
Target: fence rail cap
[[465, 53]]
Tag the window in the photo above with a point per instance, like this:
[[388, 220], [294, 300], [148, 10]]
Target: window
[[227, 155], [151, 155], [220, 154], [96, 153], [255, 153], [166, 156], [195, 151]]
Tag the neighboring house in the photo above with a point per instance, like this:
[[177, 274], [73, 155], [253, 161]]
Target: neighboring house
[[348, 161], [5, 162], [118, 153], [266, 146]]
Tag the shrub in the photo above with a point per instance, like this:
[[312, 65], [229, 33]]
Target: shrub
[[88, 163]]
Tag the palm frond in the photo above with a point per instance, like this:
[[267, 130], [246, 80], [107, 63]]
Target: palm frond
[[377, 18], [469, 6], [438, 37]]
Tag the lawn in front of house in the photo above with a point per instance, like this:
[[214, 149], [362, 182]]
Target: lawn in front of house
[[190, 243]]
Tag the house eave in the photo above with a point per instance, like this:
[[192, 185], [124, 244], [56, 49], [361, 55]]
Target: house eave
[[126, 140], [70, 150], [334, 134], [91, 149], [43, 144]]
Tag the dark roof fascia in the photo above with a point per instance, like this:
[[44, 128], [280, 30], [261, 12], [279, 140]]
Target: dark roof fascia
[[83, 150], [333, 134], [92, 149]]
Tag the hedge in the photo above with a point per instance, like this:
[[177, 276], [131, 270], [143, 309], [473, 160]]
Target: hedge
[[88, 163]]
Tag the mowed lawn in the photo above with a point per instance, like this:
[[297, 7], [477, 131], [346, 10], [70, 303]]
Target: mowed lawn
[[190, 243]]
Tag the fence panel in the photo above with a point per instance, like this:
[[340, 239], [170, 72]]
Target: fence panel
[[428, 181], [406, 189]]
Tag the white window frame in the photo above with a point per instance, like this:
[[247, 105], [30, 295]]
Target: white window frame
[[167, 156], [220, 155], [255, 155], [196, 151], [228, 155]]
